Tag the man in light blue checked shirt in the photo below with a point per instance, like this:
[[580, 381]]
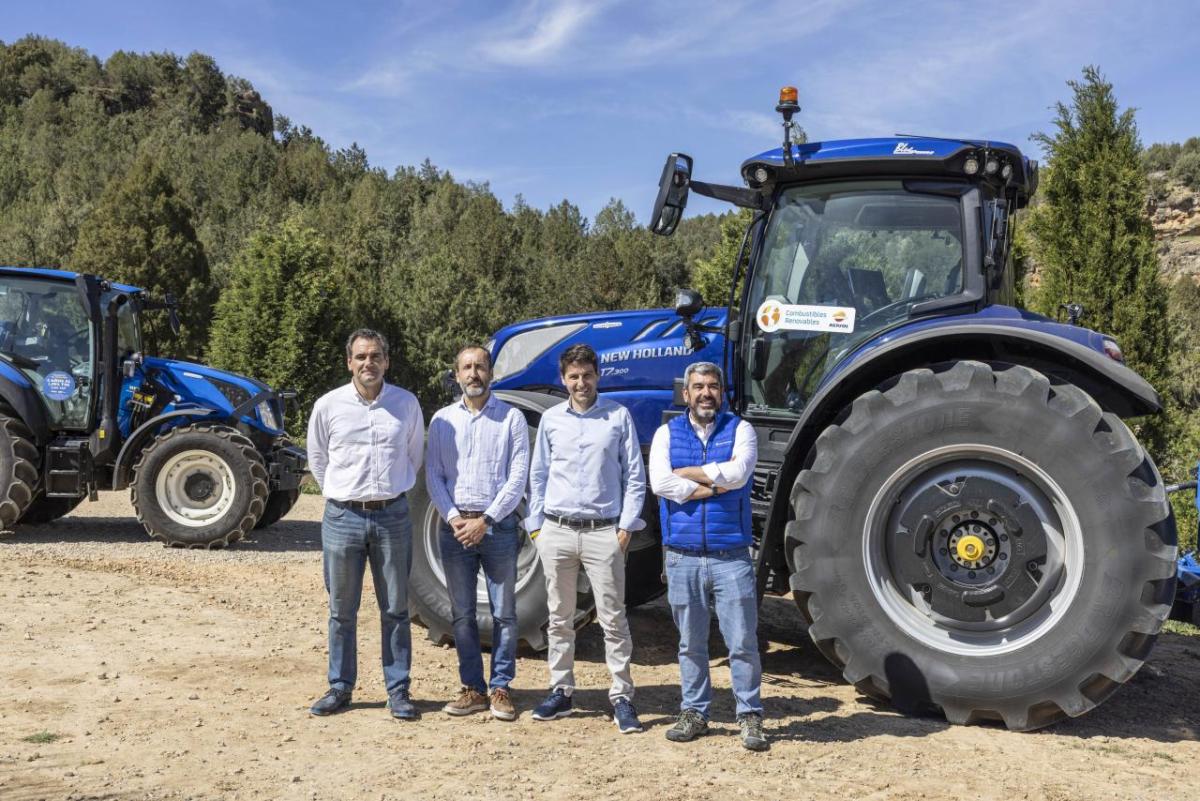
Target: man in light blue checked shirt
[[475, 471], [586, 488]]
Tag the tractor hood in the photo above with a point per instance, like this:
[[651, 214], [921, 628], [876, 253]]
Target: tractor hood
[[638, 350], [199, 385]]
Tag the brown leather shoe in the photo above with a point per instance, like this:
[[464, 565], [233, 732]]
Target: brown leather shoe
[[469, 701], [502, 705]]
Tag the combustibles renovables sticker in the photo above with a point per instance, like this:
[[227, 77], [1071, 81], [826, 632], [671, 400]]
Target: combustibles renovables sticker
[[58, 385], [775, 316]]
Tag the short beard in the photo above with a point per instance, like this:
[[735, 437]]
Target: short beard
[[704, 415], [474, 391]]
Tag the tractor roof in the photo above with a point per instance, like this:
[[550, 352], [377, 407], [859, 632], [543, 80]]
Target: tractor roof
[[57, 275], [896, 155]]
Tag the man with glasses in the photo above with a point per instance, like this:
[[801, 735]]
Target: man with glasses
[[476, 468], [586, 488], [700, 469], [365, 443]]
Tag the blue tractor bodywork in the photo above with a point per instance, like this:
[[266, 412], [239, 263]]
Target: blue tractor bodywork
[[943, 478], [74, 374]]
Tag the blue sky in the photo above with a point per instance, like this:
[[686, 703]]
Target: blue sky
[[583, 100]]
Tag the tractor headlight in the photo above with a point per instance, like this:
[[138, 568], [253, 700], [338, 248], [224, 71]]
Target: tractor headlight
[[266, 413]]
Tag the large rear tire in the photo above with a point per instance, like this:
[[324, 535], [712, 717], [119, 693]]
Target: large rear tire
[[19, 461], [199, 486], [45, 510], [980, 542]]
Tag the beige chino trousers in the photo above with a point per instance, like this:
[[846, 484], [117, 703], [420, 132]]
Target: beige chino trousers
[[563, 550]]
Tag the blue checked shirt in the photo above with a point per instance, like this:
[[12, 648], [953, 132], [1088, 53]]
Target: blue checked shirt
[[588, 466], [477, 462]]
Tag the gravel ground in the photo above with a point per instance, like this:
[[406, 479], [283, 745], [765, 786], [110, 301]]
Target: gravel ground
[[133, 671]]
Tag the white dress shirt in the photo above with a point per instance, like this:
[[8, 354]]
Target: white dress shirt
[[729, 475], [360, 450]]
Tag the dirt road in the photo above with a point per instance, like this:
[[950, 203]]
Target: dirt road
[[131, 671]]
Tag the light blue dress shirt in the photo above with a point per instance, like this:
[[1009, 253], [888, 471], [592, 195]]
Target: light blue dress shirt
[[477, 462], [587, 465]]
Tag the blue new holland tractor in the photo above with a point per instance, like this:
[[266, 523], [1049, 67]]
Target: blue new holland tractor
[[83, 409], [946, 484]]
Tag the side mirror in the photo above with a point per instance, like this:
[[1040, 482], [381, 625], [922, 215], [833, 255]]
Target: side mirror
[[688, 303], [450, 385], [129, 366], [672, 194]]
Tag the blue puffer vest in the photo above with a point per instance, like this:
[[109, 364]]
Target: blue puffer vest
[[714, 524]]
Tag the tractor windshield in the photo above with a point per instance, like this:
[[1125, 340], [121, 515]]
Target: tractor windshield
[[840, 262], [45, 333]]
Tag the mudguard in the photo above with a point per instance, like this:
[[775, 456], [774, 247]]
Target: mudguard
[[20, 394], [1114, 386]]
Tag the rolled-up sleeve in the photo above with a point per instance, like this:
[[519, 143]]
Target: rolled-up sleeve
[[737, 470], [633, 476], [509, 497], [663, 480]]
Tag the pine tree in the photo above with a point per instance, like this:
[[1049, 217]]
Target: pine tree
[[711, 276], [141, 233], [1093, 239], [280, 319]]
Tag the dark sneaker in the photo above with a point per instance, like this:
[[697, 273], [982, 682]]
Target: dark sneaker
[[468, 702], [625, 716], [556, 705], [402, 706], [502, 705], [333, 701], [691, 724], [752, 731]]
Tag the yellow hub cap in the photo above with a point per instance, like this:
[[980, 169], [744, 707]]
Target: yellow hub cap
[[970, 548]]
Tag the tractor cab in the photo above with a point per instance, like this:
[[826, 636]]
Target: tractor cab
[[82, 408], [45, 333], [853, 238]]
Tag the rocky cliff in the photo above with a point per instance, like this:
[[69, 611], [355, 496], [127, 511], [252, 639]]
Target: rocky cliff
[[1175, 213]]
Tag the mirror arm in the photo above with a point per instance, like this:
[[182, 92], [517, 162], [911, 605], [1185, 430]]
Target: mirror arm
[[746, 198]]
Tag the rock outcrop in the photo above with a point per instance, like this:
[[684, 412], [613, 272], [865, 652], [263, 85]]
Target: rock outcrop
[[1175, 213]]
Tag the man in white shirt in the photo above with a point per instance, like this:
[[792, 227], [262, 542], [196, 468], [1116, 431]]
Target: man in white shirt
[[365, 443], [700, 469]]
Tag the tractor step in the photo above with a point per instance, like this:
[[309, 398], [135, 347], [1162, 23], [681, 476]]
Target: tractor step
[[68, 469]]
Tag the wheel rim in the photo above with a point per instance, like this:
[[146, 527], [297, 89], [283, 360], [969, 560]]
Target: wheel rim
[[958, 544], [527, 557], [195, 488]]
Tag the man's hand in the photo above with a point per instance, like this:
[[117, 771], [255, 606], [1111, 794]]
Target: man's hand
[[472, 532], [623, 538], [702, 492]]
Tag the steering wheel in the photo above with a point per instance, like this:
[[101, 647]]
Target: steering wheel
[[894, 305]]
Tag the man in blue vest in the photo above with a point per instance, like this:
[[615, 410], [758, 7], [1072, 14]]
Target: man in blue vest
[[700, 469]]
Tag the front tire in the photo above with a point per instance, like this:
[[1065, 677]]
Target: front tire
[[199, 486], [980, 542]]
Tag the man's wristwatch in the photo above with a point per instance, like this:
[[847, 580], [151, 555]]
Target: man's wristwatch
[[489, 521]]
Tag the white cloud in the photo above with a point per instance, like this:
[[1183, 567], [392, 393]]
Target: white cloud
[[538, 38]]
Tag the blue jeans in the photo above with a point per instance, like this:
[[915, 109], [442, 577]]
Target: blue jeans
[[497, 555], [350, 539], [696, 584]]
